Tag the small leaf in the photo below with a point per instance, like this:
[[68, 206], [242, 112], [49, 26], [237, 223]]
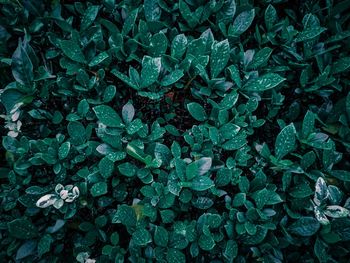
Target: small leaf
[[265, 82], [308, 124], [270, 17], [197, 111], [285, 141], [108, 116]]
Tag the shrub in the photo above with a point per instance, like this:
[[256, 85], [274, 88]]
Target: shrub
[[175, 131]]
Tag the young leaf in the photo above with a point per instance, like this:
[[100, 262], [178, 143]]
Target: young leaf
[[260, 58]]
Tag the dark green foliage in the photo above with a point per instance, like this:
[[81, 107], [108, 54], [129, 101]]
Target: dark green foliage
[[175, 131]]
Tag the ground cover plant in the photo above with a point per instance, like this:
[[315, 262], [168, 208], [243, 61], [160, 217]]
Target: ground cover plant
[[175, 131]]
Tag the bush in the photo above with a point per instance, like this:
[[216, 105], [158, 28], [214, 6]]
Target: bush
[[175, 131]]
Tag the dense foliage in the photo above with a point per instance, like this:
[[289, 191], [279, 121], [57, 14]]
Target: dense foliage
[[175, 131]]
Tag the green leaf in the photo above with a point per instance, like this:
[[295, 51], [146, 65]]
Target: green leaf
[[89, 17], [265, 82], [266, 197], [305, 226], [99, 189], [231, 250], [108, 116], [126, 215], [260, 58], [63, 151], [175, 256], [72, 50], [219, 57], [106, 167], [141, 237], [197, 111], [152, 10], [77, 132], [186, 13], [161, 236], [129, 22], [201, 183], [270, 17], [22, 67], [308, 124], [125, 79], [320, 250], [235, 143], [227, 12], [150, 70], [98, 59], [341, 65], [44, 244], [206, 243], [285, 141], [242, 22], [341, 175], [172, 77], [22, 229], [178, 46], [134, 126], [197, 168], [309, 34], [127, 169]]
